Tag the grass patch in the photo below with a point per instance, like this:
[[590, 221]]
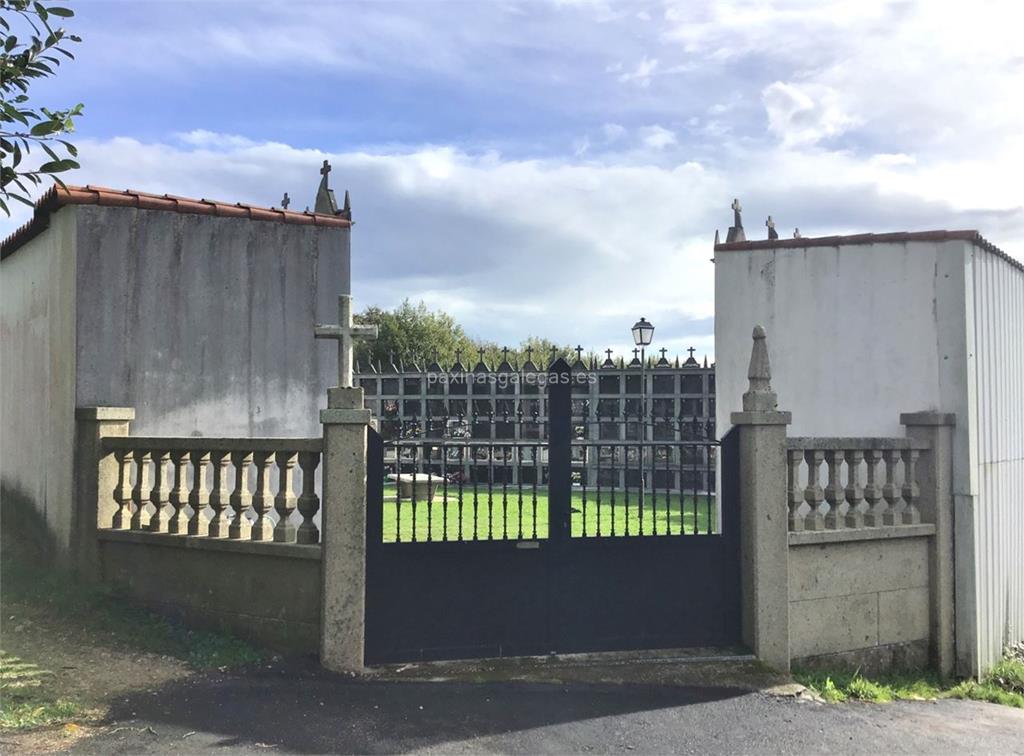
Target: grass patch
[[25, 699], [1003, 685], [511, 513]]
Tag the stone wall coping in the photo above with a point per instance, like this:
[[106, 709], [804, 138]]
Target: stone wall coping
[[761, 418], [855, 442], [261, 548], [927, 418], [345, 416], [198, 443], [886, 532], [104, 413]]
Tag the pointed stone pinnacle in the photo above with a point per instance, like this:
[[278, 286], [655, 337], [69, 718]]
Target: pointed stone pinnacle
[[759, 396]]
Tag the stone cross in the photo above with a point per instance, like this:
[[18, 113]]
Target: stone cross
[[772, 233], [737, 221], [285, 201], [691, 350], [345, 332], [609, 353], [529, 354], [325, 169], [663, 351]]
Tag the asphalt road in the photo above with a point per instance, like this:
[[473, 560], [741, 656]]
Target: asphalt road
[[316, 712]]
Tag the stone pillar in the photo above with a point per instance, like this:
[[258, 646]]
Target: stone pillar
[[96, 477], [343, 529], [935, 481], [764, 530]]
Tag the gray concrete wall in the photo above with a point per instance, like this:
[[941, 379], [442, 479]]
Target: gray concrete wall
[[204, 324], [266, 593], [37, 377], [860, 603]]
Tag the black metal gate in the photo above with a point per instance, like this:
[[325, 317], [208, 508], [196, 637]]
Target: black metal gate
[[515, 546]]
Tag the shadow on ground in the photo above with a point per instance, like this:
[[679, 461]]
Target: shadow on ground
[[317, 712]]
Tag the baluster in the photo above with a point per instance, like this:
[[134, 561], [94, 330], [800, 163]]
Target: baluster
[[179, 494], [123, 490], [796, 520], [198, 497], [262, 499], [872, 491], [911, 491], [160, 496], [220, 496], [284, 502], [890, 490], [140, 493], [854, 492], [834, 490], [813, 494], [241, 498], [309, 503]]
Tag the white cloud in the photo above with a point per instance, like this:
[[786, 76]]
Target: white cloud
[[657, 137], [804, 115], [642, 73]]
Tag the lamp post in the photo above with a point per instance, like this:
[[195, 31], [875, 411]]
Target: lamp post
[[643, 334]]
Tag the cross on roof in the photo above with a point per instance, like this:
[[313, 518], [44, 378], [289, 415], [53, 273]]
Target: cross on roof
[[325, 169], [345, 331], [504, 354], [609, 353], [737, 208], [579, 352], [691, 350], [529, 353], [285, 201], [663, 350], [636, 352]]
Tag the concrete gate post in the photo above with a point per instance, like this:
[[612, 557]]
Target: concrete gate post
[[96, 477], [764, 529], [343, 528], [935, 480]]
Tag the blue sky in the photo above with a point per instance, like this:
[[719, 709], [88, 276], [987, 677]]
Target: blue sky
[[560, 168]]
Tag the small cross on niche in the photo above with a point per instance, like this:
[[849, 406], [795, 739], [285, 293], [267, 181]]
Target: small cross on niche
[[345, 332]]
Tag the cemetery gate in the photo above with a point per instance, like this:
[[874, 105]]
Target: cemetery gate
[[512, 547]]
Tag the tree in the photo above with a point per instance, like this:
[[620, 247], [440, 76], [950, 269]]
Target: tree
[[22, 60], [414, 334]]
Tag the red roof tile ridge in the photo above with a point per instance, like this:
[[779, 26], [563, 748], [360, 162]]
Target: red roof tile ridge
[[965, 234], [90, 194]]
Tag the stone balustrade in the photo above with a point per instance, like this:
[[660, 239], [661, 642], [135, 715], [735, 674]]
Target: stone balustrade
[[241, 489], [840, 483]]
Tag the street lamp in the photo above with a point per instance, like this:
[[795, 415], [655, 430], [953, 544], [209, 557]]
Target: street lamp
[[643, 334]]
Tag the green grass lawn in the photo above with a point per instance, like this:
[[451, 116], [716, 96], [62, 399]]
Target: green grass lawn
[[506, 515]]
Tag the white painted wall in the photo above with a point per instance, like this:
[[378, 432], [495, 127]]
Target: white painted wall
[[858, 334], [205, 325], [37, 375]]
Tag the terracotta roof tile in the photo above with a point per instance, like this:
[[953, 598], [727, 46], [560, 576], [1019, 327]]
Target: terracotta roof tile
[[968, 235], [57, 197]]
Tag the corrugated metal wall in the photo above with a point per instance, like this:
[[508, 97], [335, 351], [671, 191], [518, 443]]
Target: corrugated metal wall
[[999, 453]]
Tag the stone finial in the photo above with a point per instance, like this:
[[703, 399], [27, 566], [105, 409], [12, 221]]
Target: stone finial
[[759, 396], [325, 201], [716, 238], [736, 233], [346, 207], [285, 201], [772, 233]]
